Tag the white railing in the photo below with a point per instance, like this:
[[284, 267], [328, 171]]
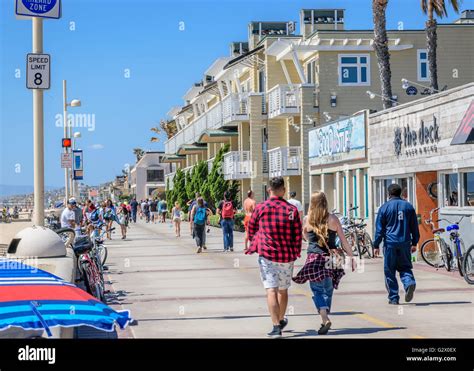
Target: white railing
[[234, 107], [237, 165], [284, 161], [210, 162], [283, 100]]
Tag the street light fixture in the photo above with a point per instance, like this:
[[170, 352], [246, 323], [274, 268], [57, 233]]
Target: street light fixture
[[67, 134], [372, 95], [406, 84]]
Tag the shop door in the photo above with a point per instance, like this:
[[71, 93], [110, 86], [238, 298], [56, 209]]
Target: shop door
[[426, 200]]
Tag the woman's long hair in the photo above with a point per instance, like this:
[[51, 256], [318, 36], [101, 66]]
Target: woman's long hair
[[318, 216]]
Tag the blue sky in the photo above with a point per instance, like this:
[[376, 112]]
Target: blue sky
[[144, 37]]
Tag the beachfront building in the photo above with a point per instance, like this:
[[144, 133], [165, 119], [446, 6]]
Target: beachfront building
[[273, 89], [427, 146], [147, 178]]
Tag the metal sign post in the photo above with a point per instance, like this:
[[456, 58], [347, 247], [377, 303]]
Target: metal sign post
[[38, 64]]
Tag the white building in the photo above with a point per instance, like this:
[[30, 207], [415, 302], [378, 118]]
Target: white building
[[147, 178]]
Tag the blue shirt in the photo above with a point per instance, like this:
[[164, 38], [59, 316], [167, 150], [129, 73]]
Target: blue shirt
[[397, 224]]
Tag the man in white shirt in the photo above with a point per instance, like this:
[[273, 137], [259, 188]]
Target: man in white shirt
[[68, 216], [296, 203]]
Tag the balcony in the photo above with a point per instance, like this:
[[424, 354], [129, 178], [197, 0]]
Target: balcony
[[284, 161], [232, 109], [283, 100], [237, 165]]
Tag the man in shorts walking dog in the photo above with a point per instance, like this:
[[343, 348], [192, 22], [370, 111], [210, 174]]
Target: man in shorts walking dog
[[275, 233]]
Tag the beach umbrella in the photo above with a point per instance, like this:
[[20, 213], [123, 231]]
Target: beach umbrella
[[33, 299]]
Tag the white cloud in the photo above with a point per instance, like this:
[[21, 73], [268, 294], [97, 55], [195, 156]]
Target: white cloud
[[96, 146]]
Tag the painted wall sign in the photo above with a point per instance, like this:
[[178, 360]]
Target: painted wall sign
[[342, 140]]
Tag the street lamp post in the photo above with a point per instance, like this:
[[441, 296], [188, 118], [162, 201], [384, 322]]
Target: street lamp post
[[75, 136], [74, 103]]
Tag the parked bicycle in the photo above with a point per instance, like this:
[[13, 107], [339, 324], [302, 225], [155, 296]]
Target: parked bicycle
[[356, 235], [437, 253]]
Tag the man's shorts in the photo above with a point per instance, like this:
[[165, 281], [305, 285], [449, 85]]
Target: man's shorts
[[275, 275], [246, 221]]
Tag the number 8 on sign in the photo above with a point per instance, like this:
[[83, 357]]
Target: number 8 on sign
[[38, 71], [38, 80]]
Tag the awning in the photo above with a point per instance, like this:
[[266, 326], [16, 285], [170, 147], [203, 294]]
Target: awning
[[173, 158], [245, 58], [217, 136], [191, 149], [465, 132]]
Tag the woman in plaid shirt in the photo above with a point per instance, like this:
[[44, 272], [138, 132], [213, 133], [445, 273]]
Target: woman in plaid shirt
[[323, 272], [274, 232]]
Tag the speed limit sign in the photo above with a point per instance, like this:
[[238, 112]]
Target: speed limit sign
[[38, 71]]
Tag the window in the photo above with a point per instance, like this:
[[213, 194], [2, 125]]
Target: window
[[468, 188], [354, 69], [451, 190], [155, 175], [422, 62]]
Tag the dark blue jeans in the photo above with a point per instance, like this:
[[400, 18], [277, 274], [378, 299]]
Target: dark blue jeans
[[228, 231], [397, 258]]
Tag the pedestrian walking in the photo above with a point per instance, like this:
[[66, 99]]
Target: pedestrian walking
[[109, 215], [191, 204], [226, 211], [324, 266], [146, 210], [397, 228], [296, 203], [275, 233], [249, 207], [134, 209], [163, 210], [176, 215], [122, 220], [154, 211], [199, 215]]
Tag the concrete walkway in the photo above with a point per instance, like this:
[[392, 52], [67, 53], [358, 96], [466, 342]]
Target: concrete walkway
[[175, 293]]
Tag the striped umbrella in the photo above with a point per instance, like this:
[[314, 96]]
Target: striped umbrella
[[33, 299]]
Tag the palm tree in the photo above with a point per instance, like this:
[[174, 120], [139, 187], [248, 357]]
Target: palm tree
[[138, 152], [381, 50], [431, 7]]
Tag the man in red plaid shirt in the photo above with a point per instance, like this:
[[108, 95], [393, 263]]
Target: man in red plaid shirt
[[275, 232]]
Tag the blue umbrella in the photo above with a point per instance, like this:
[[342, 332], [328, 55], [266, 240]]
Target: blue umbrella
[[33, 299]]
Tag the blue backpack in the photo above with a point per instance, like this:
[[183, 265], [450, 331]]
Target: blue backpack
[[200, 216]]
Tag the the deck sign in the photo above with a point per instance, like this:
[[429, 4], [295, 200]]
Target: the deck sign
[[38, 8], [338, 141]]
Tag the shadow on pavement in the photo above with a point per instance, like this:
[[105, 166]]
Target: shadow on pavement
[[343, 331], [439, 303]]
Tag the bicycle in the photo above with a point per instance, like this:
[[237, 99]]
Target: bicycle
[[356, 234], [438, 254]]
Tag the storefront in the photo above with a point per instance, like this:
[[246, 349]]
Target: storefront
[[418, 146], [338, 164]]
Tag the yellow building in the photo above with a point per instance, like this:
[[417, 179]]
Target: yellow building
[[265, 97]]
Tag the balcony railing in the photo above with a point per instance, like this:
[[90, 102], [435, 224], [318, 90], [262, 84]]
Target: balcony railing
[[283, 100], [233, 108], [237, 165], [284, 161]]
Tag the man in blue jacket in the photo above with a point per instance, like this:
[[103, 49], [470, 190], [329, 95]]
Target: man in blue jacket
[[397, 226]]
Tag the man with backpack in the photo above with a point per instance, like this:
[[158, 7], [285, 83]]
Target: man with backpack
[[199, 215], [226, 210]]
